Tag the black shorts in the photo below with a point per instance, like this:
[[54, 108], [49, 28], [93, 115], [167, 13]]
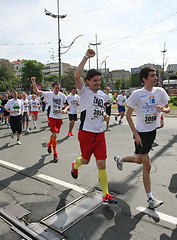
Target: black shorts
[[16, 124], [25, 117], [72, 117], [147, 141], [108, 111], [6, 113]]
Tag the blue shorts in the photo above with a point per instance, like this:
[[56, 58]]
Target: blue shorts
[[121, 108]]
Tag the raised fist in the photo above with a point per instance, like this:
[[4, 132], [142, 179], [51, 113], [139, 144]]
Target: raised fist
[[90, 53]]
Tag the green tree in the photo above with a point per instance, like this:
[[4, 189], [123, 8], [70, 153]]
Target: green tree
[[31, 68], [118, 83], [8, 78], [67, 80], [135, 80]]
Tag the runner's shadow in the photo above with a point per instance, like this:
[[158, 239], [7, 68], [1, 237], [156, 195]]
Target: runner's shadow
[[24, 173], [172, 237], [124, 223], [173, 184], [7, 146]]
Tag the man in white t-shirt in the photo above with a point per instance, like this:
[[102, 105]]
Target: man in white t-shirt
[[91, 131], [108, 104], [15, 107], [73, 100], [149, 101], [120, 101], [57, 101]]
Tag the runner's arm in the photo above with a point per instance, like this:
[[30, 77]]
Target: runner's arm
[[132, 126], [35, 88], [78, 73]]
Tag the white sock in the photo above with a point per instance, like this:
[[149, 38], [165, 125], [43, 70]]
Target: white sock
[[149, 195]]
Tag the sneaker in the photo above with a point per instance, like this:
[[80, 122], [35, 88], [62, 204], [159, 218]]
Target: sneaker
[[55, 157], [116, 118], [74, 172], [119, 163], [27, 130], [120, 122], [12, 135], [69, 133], [18, 142], [154, 203], [49, 148], [34, 127], [108, 199], [72, 134]]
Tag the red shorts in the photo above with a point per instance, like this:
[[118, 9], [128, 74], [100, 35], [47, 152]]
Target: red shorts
[[92, 143], [34, 112], [55, 124]]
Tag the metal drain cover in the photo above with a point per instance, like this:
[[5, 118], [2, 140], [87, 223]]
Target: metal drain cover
[[64, 218], [16, 210]]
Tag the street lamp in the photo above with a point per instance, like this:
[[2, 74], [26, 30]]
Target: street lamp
[[163, 64], [59, 40], [96, 44]]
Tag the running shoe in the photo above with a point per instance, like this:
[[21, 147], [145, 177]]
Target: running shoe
[[72, 134], [18, 142], [120, 122], [108, 199], [154, 203], [49, 148], [69, 133], [34, 127], [119, 163], [55, 157], [12, 135], [74, 172], [116, 118]]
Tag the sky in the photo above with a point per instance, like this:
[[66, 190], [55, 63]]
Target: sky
[[129, 33]]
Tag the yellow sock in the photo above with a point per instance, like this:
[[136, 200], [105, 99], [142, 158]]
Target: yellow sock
[[103, 180], [78, 163]]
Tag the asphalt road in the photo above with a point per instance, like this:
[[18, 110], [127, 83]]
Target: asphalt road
[[22, 182]]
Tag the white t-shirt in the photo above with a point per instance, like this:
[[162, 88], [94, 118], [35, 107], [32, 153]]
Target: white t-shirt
[[147, 118], [56, 102], [121, 99], [92, 110], [108, 100], [34, 104], [16, 106], [25, 105], [73, 101]]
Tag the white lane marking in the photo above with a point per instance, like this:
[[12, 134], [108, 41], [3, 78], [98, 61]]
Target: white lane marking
[[62, 183], [155, 214], [48, 178], [11, 165]]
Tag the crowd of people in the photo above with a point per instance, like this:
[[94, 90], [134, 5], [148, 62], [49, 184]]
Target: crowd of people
[[95, 105]]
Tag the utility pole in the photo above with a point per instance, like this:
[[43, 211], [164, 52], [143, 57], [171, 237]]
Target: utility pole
[[163, 64], [96, 44], [59, 40]]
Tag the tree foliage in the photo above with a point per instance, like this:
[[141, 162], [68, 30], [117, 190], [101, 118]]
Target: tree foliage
[[31, 68], [67, 80], [135, 80], [8, 78]]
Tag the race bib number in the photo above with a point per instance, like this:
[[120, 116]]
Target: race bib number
[[98, 112], [56, 109], [150, 118]]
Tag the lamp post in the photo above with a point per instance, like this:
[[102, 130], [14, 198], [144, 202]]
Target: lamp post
[[163, 64], [58, 16], [96, 44]]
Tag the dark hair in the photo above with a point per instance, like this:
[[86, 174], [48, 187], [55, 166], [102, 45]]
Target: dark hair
[[91, 73], [144, 72], [74, 88], [55, 83]]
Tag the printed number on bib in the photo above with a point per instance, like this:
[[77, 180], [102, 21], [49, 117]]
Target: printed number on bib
[[98, 112], [150, 118]]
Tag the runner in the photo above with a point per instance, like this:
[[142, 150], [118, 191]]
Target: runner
[[149, 101], [56, 101], [73, 100], [108, 104], [15, 107], [91, 131], [34, 109], [25, 116], [5, 114], [120, 101]]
